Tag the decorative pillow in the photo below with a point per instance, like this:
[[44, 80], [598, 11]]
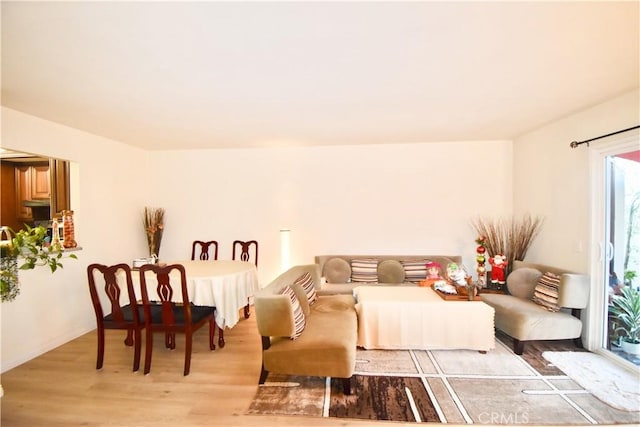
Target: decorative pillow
[[306, 282], [299, 321], [337, 270], [521, 282], [390, 271], [364, 270], [415, 270], [546, 291]]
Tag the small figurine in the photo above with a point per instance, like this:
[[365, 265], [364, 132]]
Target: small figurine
[[433, 270], [457, 274], [498, 265]]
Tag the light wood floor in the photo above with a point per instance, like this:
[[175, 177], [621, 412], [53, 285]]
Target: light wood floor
[[63, 388]]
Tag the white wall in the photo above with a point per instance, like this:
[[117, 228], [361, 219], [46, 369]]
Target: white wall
[[375, 199], [52, 309], [553, 180]]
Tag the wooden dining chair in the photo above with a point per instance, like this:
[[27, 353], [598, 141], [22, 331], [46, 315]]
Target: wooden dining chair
[[203, 247], [172, 318], [245, 251], [103, 281]]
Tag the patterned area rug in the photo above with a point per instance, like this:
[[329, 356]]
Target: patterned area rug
[[448, 386]]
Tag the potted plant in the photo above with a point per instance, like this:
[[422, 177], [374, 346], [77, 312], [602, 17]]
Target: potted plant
[[32, 246], [629, 275], [626, 308]]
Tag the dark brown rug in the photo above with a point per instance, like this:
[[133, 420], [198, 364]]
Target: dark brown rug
[[383, 398], [372, 398]]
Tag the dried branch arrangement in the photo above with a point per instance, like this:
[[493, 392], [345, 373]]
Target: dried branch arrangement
[[511, 237], [154, 226]]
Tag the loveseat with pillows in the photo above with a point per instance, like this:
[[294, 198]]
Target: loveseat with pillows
[[342, 273], [544, 303], [304, 333]]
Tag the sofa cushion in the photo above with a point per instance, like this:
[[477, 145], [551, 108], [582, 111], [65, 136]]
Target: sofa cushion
[[525, 320], [364, 270], [414, 270], [390, 271], [522, 282], [306, 282], [333, 303], [546, 291], [298, 315], [337, 270], [327, 347]]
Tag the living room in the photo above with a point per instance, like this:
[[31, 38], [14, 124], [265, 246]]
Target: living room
[[393, 196]]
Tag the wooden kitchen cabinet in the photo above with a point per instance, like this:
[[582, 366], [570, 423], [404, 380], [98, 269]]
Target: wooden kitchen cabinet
[[23, 192], [32, 183], [40, 187]]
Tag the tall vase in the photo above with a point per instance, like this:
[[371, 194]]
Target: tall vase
[[69, 230], [157, 240]]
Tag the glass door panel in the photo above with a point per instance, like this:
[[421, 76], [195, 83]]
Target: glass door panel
[[622, 251]]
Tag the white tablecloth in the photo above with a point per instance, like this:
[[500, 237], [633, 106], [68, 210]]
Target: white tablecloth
[[225, 284], [407, 317]]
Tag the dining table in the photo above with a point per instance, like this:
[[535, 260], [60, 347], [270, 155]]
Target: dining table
[[224, 284]]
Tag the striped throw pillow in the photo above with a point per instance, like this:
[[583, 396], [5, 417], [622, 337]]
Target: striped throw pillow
[[306, 282], [299, 321], [546, 291], [364, 270], [415, 271]]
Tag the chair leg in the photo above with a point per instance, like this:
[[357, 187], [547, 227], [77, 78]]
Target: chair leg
[[518, 347], [263, 375], [100, 359], [128, 341], [147, 351], [212, 333], [221, 337], [187, 353], [137, 349], [346, 386], [170, 340]]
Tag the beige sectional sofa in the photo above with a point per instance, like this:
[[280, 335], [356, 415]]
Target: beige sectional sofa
[[339, 277], [327, 345], [517, 315]]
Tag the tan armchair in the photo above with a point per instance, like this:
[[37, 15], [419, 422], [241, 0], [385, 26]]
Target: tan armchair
[[326, 346], [521, 318]]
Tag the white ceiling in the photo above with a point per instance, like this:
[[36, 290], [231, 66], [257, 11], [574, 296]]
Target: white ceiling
[[191, 75]]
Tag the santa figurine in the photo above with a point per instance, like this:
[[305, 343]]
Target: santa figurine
[[498, 265]]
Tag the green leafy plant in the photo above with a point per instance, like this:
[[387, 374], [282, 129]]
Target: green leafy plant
[[32, 246], [629, 275], [626, 308]]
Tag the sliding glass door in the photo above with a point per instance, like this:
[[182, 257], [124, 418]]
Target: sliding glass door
[[616, 172]]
